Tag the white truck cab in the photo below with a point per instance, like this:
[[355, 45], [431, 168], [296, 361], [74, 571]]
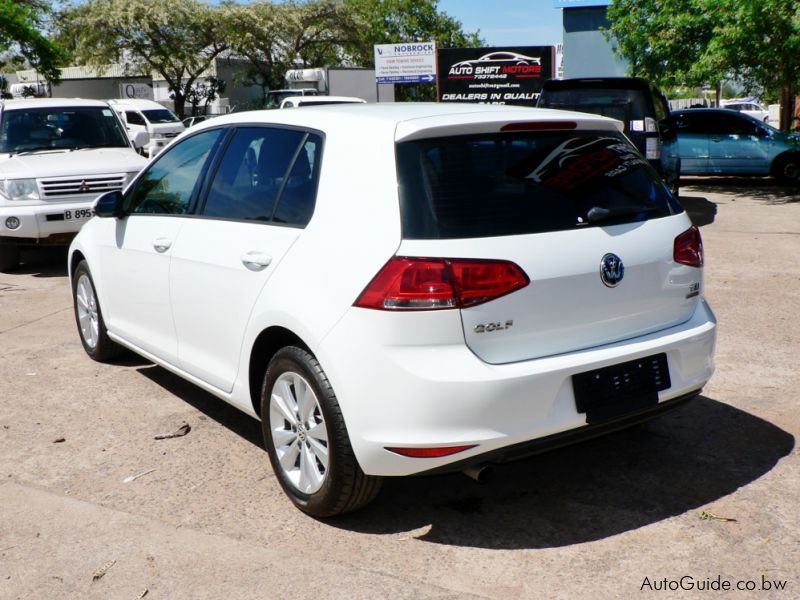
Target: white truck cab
[[146, 115], [56, 156]]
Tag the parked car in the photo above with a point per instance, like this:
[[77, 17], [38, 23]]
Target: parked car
[[146, 115], [718, 141], [298, 101], [637, 104], [751, 109], [455, 285], [189, 121], [56, 156], [276, 97]]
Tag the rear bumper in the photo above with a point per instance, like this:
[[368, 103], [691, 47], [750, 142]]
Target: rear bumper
[[405, 395], [43, 220], [566, 438]]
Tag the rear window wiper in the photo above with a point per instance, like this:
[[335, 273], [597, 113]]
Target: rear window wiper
[[597, 214]]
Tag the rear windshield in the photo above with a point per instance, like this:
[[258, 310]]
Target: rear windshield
[[511, 184], [620, 104]]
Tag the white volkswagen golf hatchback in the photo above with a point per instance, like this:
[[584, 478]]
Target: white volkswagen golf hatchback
[[403, 289]]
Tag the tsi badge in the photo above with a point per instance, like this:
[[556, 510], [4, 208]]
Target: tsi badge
[[611, 270]]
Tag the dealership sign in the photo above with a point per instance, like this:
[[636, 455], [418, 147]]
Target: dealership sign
[[507, 75], [135, 90], [413, 62]]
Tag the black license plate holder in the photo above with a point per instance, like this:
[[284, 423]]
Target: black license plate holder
[[620, 389]]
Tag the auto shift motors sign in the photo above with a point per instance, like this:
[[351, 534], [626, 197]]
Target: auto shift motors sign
[[508, 75]]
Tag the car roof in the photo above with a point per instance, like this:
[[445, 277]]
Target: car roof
[[724, 110], [715, 111], [26, 103], [140, 103], [408, 120], [323, 99], [622, 83]]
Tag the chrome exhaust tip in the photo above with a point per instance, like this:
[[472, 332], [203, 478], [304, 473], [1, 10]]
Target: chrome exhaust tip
[[480, 473]]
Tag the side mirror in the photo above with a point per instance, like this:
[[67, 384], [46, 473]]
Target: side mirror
[[762, 133], [110, 205], [140, 139]]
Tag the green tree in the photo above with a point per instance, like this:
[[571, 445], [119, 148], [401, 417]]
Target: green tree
[[179, 39], [691, 42], [759, 42], [21, 25], [662, 40], [276, 37], [389, 21]]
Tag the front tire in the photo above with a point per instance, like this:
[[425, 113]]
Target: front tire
[[306, 438], [89, 317]]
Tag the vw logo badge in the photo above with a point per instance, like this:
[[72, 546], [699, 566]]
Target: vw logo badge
[[611, 270]]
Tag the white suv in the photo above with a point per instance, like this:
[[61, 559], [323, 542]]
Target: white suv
[[403, 289], [56, 156]]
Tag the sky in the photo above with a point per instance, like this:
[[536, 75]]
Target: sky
[[508, 22]]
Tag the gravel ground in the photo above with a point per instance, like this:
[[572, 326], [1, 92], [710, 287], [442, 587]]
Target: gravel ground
[[708, 493]]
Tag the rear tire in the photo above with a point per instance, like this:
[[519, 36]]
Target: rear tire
[[9, 257], [787, 169], [89, 317], [306, 438]]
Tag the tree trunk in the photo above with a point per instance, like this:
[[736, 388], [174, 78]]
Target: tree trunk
[[787, 108], [180, 104], [718, 94]]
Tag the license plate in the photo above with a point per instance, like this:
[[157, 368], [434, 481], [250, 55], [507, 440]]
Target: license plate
[[78, 214], [619, 389]]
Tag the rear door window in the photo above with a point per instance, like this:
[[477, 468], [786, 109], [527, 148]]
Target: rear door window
[[522, 183], [267, 174]]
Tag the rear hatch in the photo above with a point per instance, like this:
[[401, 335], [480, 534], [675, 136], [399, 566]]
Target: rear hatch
[[587, 220]]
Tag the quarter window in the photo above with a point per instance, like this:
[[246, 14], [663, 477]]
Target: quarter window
[[296, 203], [167, 187]]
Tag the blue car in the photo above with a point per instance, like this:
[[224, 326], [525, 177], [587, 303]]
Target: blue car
[[726, 142]]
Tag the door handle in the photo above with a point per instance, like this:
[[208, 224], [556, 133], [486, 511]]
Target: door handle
[[256, 261], [162, 244], [716, 139]]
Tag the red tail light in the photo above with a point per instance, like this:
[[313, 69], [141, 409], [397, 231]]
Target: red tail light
[[430, 452], [688, 249], [437, 283]]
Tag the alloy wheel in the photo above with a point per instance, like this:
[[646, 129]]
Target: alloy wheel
[[87, 311], [298, 431]]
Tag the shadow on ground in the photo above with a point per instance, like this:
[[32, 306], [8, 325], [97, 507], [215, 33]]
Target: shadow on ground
[[700, 210], [47, 261], [678, 462], [763, 189], [226, 415]]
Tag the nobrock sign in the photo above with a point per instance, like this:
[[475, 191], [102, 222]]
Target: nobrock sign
[[405, 62], [506, 75]]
